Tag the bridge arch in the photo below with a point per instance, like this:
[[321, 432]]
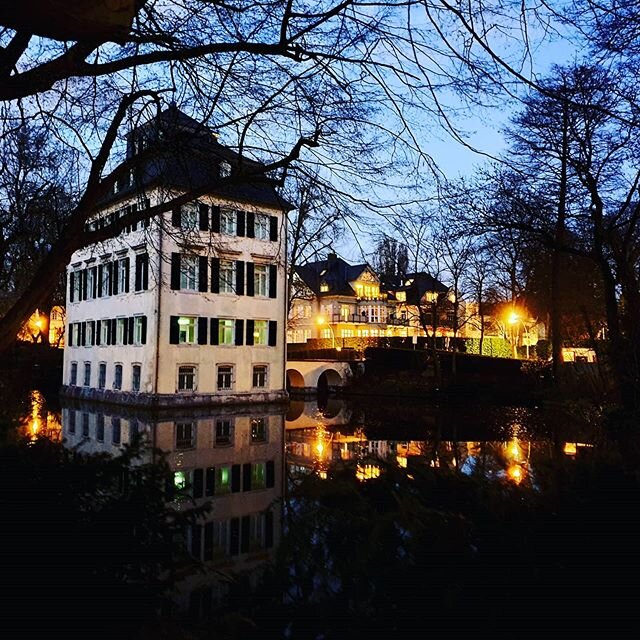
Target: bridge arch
[[329, 379], [295, 380]]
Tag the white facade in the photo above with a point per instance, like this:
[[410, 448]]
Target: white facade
[[184, 309]]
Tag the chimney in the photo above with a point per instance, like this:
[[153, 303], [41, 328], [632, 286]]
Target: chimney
[[331, 258]]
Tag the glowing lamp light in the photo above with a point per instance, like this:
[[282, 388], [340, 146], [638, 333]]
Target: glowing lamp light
[[513, 318], [183, 321], [515, 473]]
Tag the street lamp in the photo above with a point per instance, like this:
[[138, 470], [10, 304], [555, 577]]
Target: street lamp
[[513, 319], [321, 321]]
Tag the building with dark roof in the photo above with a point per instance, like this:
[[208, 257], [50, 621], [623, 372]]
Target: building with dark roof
[[188, 306]]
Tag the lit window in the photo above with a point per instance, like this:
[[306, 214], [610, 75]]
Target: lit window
[[261, 280], [228, 222], [187, 330], [104, 331], [179, 479], [261, 226], [260, 376], [187, 378], [227, 276], [189, 273], [138, 325], [258, 475], [223, 480], [226, 331], [185, 435], [117, 378], [260, 332], [121, 330], [225, 377], [73, 376], [258, 430], [324, 287], [224, 432], [136, 371], [87, 374], [401, 296]]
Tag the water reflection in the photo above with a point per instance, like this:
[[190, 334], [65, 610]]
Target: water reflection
[[232, 459], [40, 422]]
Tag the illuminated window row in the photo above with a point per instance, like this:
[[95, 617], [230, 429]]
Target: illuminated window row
[[222, 331], [108, 332]]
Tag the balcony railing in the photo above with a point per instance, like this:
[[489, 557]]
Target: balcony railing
[[357, 318]]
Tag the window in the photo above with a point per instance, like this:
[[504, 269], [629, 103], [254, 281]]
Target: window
[[73, 376], [189, 273], [77, 285], [187, 378], [104, 330], [136, 371], [324, 287], [121, 330], [223, 480], [224, 432], [190, 216], [261, 280], [72, 421], [139, 336], [261, 226], [185, 435], [85, 425], [186, 330], [225, 377], [123, 275], [226, 331], [102, 375], [100, 427], [258, 430], [142, 272], [227, 276], [180, 480], [91, 282], [105, 269], [260, 376], [228, 222], [77, 333], [260, 332], [225, 169], [90, 341], [258, 475], [116, 431], [117, 377]]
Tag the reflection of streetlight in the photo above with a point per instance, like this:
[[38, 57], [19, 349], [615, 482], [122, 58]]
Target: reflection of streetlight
[[513, 319], [321, 321]]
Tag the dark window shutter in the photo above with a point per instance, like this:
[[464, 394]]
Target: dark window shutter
[[175, 271], [94, 287], [213, 337], [210, 481], [208, 541], [127, 269], [138, 276], [234, 537], [268, 529], [251, 224], [70, 335], [249, 332], [114, 278], [273, 228], [271, 474], [100, 279], [130, 322], [250, 279], [72, 284], [244, 534], [239, 332], [84, 284], [202, 330], [235, 478], [176, 217], [203, 272], [98, 332], [125, 333], [246, 477], [83, 334], [273, 333], [215, 275], [198, 483], [110, 275], [93, 332], [174, 330], [240, 223], [240, 277], [215, 219], [145, 271], [143, 337], [273, 281], [203, 210], [112, 331]]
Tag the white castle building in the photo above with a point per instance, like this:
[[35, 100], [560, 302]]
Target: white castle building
[[187, 307]]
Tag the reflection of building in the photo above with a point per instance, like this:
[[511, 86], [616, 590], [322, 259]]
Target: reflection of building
[[186, 306], [231, 459], [335, 300]]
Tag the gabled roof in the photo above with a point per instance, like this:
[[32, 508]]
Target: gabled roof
[[416, 285], [333, 271], [188, 157]]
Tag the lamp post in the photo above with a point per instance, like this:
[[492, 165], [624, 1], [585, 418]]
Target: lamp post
[[321, 322], [513, 319]]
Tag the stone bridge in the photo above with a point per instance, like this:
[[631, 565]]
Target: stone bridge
[[308, 376]]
